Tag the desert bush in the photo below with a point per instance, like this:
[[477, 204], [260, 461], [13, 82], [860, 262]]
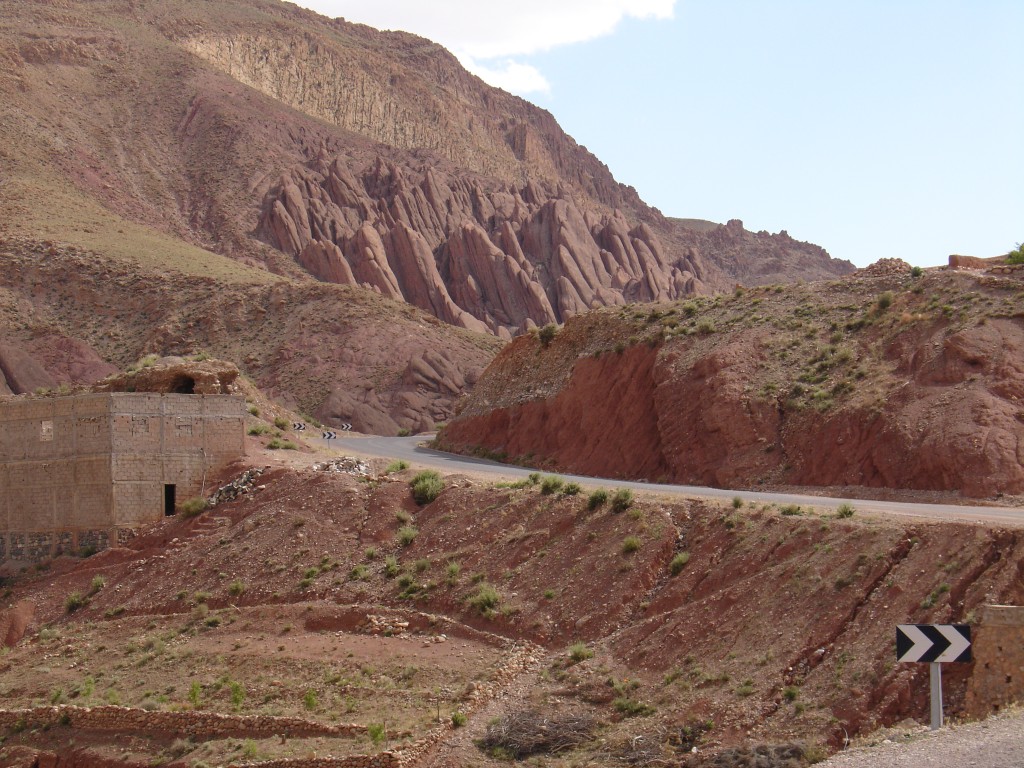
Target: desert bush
[[370, 553], [550, 484], [237, 694], [486, 600], [426, 486], [547, 334], [281, 422], [195, 692], [259, 429], [192, 507], [630, 545], [75, 601], [391, 566], [791, 509], [679, 562], [705, 327], [790, 692], [737, 502], [622, 500], [377, 732], [458, 719], [452, 572], [278, 444], [396, 466], [845, 510], [407, 535], [580, 652], [1016, 256], [359, 573], [310, 700], [404, 432], [597, 498], [521, 733], [571, 489], [884, 301], [236, 588], [628, 707], [916, 271], [98, 582]]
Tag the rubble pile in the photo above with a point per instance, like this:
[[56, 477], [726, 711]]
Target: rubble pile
[[346, 464], [389, 626], [244, 483], [885, 268]]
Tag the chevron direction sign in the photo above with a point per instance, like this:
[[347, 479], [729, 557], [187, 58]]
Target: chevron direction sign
[[298, 426], [346, 427], [330, 435], [933, 643]]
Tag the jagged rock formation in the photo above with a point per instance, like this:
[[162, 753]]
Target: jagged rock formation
[[487, 258], [865, 382]]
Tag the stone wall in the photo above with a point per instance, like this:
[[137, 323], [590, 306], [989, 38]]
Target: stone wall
[[998, 650], [79, 472]]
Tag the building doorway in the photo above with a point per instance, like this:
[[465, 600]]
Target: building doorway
[[168, 500]]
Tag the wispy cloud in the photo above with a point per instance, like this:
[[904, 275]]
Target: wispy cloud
[[489, 42]]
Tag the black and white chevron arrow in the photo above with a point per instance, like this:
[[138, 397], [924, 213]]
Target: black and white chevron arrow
[[346, 427], [298, 426], [330, 435], [933, 642]]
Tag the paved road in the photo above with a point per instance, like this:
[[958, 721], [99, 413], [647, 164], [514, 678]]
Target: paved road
[[411, 449]]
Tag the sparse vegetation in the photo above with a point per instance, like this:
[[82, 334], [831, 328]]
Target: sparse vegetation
[[426, 486], [407, 535], [622, 500], [580, 652], [630, 545], [396, 466], [486, 600], [845, 511], [597, 499], [550, 484], [192, 507], [679, 562], [547, 334]]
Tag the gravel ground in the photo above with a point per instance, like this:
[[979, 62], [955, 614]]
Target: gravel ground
[[994, 743]]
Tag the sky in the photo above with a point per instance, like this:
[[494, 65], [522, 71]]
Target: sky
[[874, 128]]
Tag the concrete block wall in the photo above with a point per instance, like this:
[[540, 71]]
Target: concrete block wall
[[76, 472]]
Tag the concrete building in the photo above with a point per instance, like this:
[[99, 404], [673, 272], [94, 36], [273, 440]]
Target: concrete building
[[83, 472]]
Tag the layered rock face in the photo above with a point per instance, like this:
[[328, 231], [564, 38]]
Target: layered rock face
[[865, 383], [482, 256]]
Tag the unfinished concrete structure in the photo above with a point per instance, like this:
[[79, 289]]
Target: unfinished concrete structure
[[83, 472]]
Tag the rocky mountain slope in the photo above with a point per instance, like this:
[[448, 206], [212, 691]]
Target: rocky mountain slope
[[882, 380], [245, 139], [334, 600]]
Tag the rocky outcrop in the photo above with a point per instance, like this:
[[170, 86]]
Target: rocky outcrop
[[21, 373], [868, 386], [175, 374], [473, 252]]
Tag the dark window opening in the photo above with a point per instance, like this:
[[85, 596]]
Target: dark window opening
[[183, 385], [168, 500]]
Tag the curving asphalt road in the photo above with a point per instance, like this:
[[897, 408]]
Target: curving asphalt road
[[413, 450]]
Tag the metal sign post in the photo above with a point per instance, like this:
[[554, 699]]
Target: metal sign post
[[936, 644], [935, 675]]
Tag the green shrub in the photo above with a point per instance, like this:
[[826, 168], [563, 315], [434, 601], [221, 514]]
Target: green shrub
[[458, 719], [391, 566], [237, 694], [571, 489], [884, 301], [547, 334], [236, 588], [259, 429], [396, 466], [376, 732], [253, 410], [486, 600], [195, 691], [550, 484], [404, 432], [452, 572], [310, 700], [737, 502], [630, 545], [192, 507], [597, 498], [622, 500], [705, 327], [791, 509], [277, 443], [426, 486], [359, 573], [533, 478], [790, 692], [98, 583], [282, 423], [75, 601], [1016, 256], [580, 652], [631, 708], [679, 562], [407, 535], [916, 271], [370, 553], [845, 510]]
